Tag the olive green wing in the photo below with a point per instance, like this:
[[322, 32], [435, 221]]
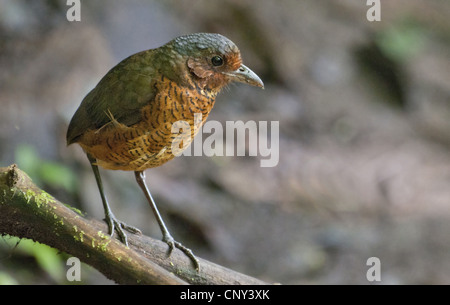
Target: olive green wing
[[122, 93]]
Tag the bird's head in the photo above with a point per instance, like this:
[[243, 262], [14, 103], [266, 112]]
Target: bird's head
[[211, 61]]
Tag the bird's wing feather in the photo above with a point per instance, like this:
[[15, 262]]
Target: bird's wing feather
[[122, 92]]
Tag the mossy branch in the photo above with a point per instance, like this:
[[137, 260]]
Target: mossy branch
[[29, 212]]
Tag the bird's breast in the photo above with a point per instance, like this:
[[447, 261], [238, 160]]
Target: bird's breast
[[161, 132]]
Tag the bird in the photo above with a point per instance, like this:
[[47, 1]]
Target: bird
[[125, 122]]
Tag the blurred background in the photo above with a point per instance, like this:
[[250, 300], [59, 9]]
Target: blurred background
[[364, 112]]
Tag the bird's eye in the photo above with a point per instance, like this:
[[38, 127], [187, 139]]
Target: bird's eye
[[217, 61]]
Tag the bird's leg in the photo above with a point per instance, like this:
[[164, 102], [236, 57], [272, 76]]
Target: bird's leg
[[111, 220], [140, 178]]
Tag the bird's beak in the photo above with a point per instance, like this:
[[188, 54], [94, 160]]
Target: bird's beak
[[246, 76]]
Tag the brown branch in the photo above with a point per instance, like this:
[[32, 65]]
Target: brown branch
[[29, 212]]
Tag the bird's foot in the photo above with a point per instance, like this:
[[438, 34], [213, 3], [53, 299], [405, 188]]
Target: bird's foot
[[116, 225], [168, 239]]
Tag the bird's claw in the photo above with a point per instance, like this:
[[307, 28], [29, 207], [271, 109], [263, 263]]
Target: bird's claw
[[118, 226], [188, 252]]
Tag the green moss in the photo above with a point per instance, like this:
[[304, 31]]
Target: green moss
[[79, 212], [45, 198], [42, 199], [29, 194], [103, 235], [3, 198], [104, 246], [104, 242], [81, 235], [58, 220]]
